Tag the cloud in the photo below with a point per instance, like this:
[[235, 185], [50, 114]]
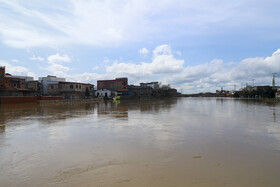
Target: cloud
[[95, 68], [37, 58], [163, 63], [217, 73], [57, 58], [17, 70], [56, 64], [26, 24], [15, 60], [144, 51], [166, 67]]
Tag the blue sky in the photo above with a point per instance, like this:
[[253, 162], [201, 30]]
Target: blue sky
[[196, 46]]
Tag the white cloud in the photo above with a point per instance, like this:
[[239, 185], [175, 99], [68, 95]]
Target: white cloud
[[37, 58], [108, 23], [15, 60], [17, 70], [178, 53], [95, 68], [57, 58], [56, 67], [164, 67], [144, 51], [163, 63]]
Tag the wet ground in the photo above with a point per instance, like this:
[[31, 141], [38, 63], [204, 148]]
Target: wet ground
[[196, 142]]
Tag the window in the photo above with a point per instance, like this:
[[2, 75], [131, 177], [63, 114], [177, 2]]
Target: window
[[80, 86], [15, 85], [59, 86], [51, 86], [71, 86], [76, 86], [1, 85]]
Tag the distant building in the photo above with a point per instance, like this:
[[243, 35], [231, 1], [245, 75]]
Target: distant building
[[153, 85], [70, 90], [266, 87], [119, 84], [45, 81], [248, 88], [26, 78], [141, 91]]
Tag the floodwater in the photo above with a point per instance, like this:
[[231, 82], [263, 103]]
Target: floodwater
[[196, 142]]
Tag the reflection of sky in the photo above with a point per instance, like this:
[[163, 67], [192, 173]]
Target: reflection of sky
[[66, 137]]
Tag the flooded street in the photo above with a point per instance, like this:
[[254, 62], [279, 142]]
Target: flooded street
[[196, 142]]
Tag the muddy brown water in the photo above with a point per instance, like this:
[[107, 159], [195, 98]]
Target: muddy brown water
[[196, 142]]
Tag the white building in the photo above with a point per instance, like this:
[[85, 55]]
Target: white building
[[45, 81], [105, 93]]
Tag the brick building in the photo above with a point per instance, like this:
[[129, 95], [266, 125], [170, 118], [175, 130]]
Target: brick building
[[12, 85], [119, 84]]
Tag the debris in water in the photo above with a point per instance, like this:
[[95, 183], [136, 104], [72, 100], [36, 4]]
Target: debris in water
[[197, 156]]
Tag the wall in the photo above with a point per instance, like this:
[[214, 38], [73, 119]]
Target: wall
[[9, 100], [119, 84]]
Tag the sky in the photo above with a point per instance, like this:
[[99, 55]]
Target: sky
[[193, 45]]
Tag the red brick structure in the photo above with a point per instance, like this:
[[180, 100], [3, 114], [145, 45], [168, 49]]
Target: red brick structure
[[10, 83], [119, 84], [12, 86]]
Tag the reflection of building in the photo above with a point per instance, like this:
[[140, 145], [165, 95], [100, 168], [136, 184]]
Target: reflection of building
[[45, 81], [119, 84], [113, 110], [70, 90], [13, 85]]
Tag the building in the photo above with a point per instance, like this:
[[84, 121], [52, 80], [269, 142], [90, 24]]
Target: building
[[26, 78], [119, 84], [140, 91], [35, 86], [13, 85], [105, 93], [70, 90], [153, 85], [45, 81], [277, 94]]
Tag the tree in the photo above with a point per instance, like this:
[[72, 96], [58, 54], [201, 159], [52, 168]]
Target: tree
[[87, 92]]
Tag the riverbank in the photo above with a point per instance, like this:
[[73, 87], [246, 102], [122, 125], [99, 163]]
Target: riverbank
[[45, 100]]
